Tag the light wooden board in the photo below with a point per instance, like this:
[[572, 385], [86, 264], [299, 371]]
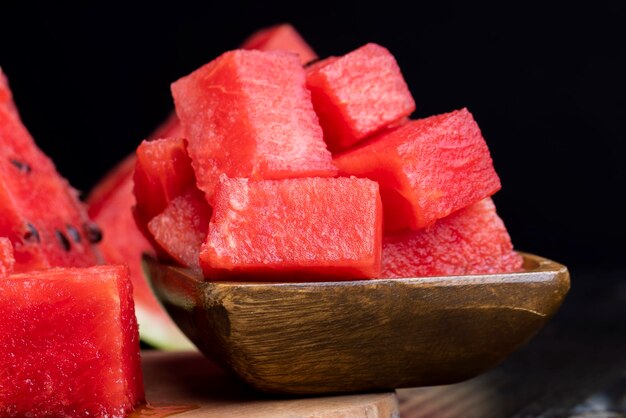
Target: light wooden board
[[189, 385]]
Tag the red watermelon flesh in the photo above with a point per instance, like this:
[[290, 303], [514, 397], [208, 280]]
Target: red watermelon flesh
[[162, 172], [358, 94], [182, 227], [69, 344], [302, 229], [6, 97], [426, 169], [472, 240], [29, 187], [6, 257], [281, 37], [248, 114]]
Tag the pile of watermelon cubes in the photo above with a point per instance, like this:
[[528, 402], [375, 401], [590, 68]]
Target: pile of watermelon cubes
[[295, 171]]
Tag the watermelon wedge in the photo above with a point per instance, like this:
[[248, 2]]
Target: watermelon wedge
[[69, 345], [300, 229], [472, 240], [122, 243], [426, 169], [29, 187]]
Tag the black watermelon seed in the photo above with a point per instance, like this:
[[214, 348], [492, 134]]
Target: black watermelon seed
[[31, 235], [92, 232], [22, 166], [65, 243], [73, 233]]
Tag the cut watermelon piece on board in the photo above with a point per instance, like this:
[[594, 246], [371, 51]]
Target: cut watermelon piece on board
[[162, 172], [472, 240], [29, 187], [248, 114], [6, 257], [300, 229], [122, 243], [358, 95], [182, 227], [69, 344], [281, 37], [426, 169]]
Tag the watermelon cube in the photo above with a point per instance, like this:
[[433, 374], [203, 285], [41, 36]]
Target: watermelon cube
[[300, 229], [182, 227], [29, 187], [68, 344], [281, 37], [248, 114], [6, 257], [426, 169], [162, 172], [358, 94], [472, 240]]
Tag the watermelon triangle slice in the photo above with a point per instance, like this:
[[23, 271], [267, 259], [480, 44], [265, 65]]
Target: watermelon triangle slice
[[29, 187]]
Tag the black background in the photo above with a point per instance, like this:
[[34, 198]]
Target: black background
[[546, 85]]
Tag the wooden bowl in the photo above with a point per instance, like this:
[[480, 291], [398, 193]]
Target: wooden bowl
[[331, 337]]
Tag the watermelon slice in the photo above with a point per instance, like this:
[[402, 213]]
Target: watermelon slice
[[426, 169], [182, 227], [281, 37], [6, 257], [110, 206], [358, 95], [68, 344], [303, 229], [472, 240], [248, 114], [124, 244], [29, 187]]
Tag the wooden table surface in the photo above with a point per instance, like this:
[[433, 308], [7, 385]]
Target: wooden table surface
[[188, 385]]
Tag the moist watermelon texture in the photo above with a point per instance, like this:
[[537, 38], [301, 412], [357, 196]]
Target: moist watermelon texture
[[358, 94], [182, 227], [426, 169], [472, 240], [248, 114], [68, 344], [300, 229], [162, 172], [281, 37], [6, 257], [29, 187]]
